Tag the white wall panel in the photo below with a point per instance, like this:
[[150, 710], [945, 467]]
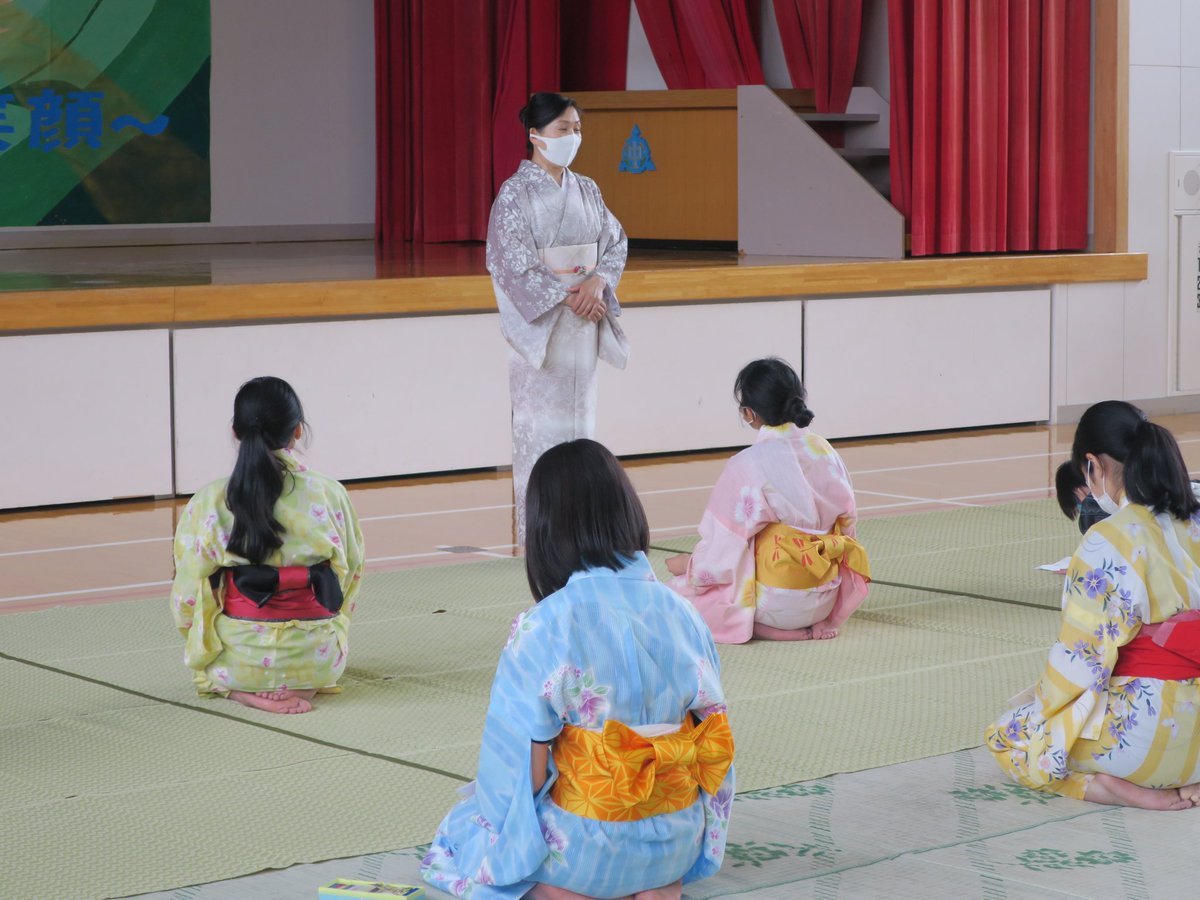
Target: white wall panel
[[1095, 342], [1153, 132], [889, 365], [1154, 36], [384, 397], [86, 417], [677, 392]]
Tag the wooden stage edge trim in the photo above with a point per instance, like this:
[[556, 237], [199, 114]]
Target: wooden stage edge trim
[[210, 304]]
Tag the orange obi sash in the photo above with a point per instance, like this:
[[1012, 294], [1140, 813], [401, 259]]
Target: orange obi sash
[[785, 557], [617, 775]]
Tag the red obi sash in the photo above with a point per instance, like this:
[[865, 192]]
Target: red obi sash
[[1168, 650], [269, 594]]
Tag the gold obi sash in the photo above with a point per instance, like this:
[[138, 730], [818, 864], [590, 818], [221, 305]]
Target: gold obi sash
[[787, 558], [617, 775]]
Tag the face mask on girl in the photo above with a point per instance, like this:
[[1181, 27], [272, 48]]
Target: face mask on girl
[[1105, 502], [560, 150]]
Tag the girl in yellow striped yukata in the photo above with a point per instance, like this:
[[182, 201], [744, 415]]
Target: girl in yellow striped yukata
[[1115, 717]]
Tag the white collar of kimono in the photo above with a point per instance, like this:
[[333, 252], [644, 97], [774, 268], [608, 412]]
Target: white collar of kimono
[[638, 568], [769, 432]]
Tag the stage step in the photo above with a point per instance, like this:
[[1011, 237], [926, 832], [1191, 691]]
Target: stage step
[[839, 118]]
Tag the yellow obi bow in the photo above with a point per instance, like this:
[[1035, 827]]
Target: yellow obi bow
[[785, 557], [618, 775]]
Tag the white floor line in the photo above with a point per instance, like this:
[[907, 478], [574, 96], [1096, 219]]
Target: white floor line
[[85, 546], [100, 590], [438, 512], [678, 490], [886, 675], [947, 501]]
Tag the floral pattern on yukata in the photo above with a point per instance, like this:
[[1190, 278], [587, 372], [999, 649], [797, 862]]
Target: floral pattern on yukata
[[789, 476], [1082, 720], [227, 654], [609, 645]]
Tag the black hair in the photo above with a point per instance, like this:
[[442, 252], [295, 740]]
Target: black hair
[[266, 412], [542, 109], [581, 512], [771, 388], [1155, 474], [1067, 480]]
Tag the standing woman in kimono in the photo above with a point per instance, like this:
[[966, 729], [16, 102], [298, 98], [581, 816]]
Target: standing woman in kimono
[[606, 768], [267, 566], [777, 557], [555, 254], [1115, 718]]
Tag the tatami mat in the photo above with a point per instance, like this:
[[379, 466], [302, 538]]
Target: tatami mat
[[915, 673], [945, 828], [105, 794]]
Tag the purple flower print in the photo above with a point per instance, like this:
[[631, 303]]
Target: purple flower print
[[1095, 583], [591, 706], [317, 511], [484, 875], [555, 839], [721, 803]]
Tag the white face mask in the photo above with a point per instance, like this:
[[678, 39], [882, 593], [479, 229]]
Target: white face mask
[[560, 150], [1105, 502]]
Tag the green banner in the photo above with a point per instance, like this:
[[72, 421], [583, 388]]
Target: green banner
[[104, 112]]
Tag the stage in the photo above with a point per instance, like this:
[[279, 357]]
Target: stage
[[141, 349]]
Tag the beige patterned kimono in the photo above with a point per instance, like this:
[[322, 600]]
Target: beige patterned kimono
[[542, 238]]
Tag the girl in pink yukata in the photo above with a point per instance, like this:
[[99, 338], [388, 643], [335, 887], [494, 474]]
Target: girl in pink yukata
[[777, 558]]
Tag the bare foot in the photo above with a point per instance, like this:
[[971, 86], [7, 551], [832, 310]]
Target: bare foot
[[1191, 793], [1113, 791], [768, 633], [823, 631], [285, 694], [291, 706]]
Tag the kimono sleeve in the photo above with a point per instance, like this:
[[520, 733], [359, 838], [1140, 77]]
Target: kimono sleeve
[[737, 510], [513, 259], [1102, 603], [353, 556], [518, 713], [199, 549], [615, 253], [710, 694], [709, 701]]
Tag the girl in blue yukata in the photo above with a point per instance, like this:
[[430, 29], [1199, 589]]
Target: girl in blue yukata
[[606, 768]]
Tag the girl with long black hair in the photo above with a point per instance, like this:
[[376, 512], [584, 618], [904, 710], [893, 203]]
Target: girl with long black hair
[[267, 565], [1115, 718]]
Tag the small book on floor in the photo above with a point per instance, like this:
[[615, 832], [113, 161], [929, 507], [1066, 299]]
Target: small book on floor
[[346, 887]]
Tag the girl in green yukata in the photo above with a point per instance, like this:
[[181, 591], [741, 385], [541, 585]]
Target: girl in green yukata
[[268, 564]]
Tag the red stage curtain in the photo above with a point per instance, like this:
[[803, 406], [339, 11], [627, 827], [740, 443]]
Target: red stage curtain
[[594, 44], [820, 43], [702, 43], [527, 36], [990, 123], [450, 78]]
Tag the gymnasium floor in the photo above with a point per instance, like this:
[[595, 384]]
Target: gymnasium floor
[[856, 771]]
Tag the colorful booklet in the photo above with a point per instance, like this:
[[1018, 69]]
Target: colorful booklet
[[345, 887]]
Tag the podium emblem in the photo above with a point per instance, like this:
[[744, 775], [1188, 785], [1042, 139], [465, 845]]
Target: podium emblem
[[635, 157]]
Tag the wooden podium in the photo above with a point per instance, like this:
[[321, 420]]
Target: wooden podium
[[738, 165]]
